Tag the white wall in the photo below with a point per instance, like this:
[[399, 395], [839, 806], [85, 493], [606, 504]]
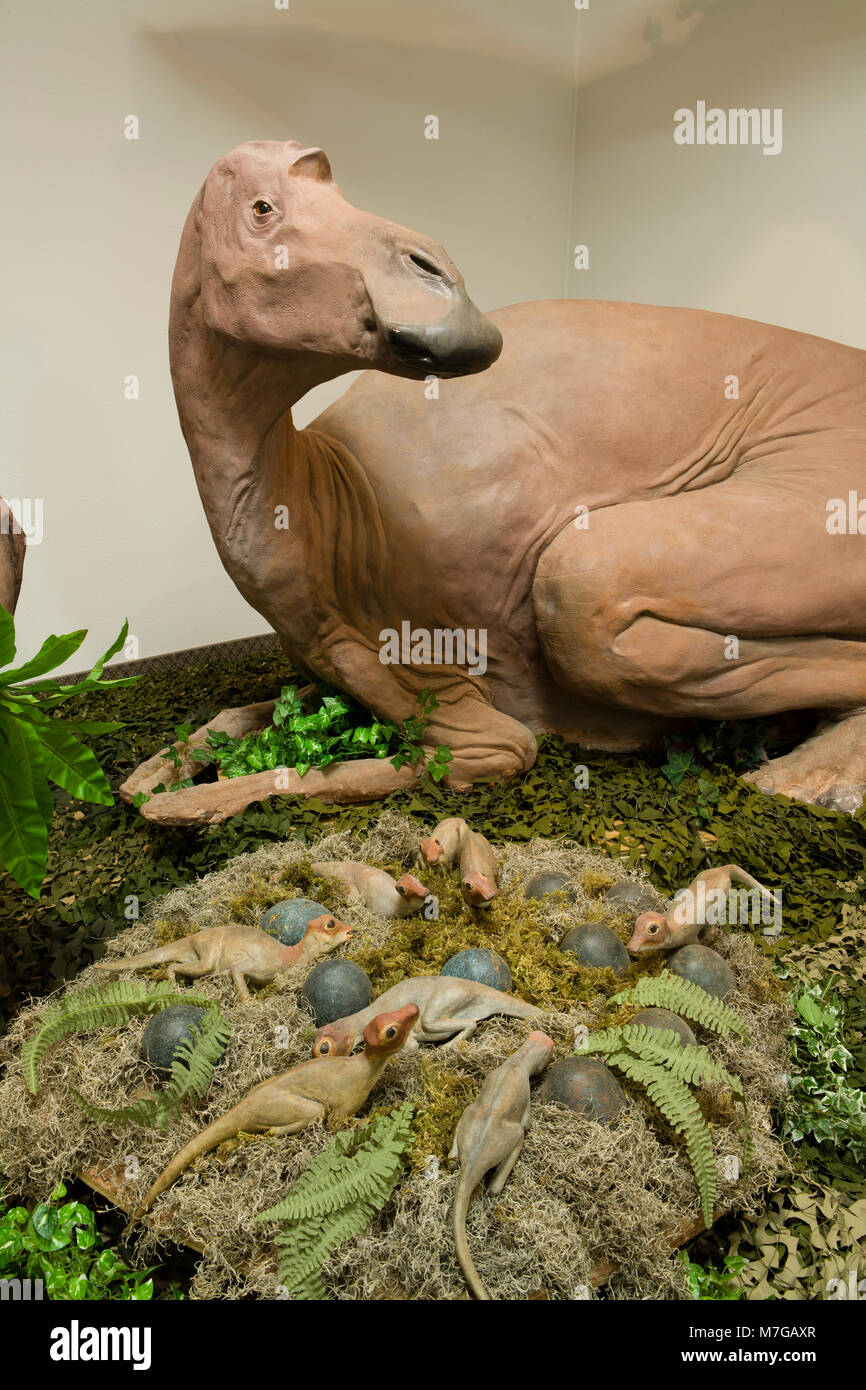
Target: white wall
[[92, 223]]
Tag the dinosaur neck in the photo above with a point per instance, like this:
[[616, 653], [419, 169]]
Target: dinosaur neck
[[371, 1063]]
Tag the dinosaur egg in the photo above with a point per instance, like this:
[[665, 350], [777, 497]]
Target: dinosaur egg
[[542, 884], [335, 988], [596, 945], [287, 921], [703, 967], [586, 1086], [166, 1031], [633, 898], [663, 1018], [486, 967]]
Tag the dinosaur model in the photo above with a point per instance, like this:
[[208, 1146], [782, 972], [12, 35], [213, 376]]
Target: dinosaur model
[[450, 1008], [490, 1134], [333, 1087], [639, 522], [245, 953], [703, 904], [442, 847], [374, 888], [479, 876]]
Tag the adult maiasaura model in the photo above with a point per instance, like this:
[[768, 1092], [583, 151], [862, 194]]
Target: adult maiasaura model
[[639, 542]]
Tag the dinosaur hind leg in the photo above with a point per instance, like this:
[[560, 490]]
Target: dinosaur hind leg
[[727, 602]]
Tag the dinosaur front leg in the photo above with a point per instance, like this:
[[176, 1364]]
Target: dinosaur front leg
[[452, 1029]]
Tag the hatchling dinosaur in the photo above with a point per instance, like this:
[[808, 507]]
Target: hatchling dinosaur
[[441, 848], [637, 506], [374, 888], [479, 876], [450, 1008], [686, 918], [490, 1134], [245, 953], [327, 1088]]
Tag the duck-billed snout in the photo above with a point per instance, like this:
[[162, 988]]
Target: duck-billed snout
[[460, 343]]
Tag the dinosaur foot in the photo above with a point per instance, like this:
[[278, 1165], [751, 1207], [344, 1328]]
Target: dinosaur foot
[[829, 769]]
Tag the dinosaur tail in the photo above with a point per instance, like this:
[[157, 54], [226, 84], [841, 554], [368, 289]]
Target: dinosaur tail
[[158, 956], [466, 1185], [739, 875], [518, 1008], [223, 1128]]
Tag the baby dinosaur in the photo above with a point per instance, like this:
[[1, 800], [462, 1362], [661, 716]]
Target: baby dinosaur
[[686, 918], [245, 953], [490, 1134], [479, 878], [450, 1008], [335, 1088], [442, 846], [374, 888]]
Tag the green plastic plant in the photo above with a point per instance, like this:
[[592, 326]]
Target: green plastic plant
[[338, 730], [665, 1067], [706, 1282], [337, 1196], [36, 748], [822, 1101], [59, 1244]]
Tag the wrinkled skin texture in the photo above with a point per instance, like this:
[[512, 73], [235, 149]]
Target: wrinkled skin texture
[[490, 1134], [699, 518], [315, 1090], [245, 953]]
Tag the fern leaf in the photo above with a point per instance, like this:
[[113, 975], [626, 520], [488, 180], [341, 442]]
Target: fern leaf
[[99, 1006], [336, 1197], [679, 1107], [668, 991], [686, 1061]]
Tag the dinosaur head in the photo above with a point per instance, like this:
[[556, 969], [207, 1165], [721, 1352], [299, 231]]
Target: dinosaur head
[[325, 934], [388, 1032], [334, 1039], [651, 933], [291, 269], [412, 892], [477, 889], [432, 851]]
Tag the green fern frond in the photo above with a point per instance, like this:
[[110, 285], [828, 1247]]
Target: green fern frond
[[679, 1107], [191, 1072], [668, 991], [337, 1196], [687, 1062], [107, 1005]]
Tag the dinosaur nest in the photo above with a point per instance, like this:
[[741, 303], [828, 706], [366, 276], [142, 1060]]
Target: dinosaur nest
[[582, 1194]]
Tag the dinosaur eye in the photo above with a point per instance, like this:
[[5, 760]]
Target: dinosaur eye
[[260, 207], [653, 928], [391, 1032], [330, 926], [323, 1049]]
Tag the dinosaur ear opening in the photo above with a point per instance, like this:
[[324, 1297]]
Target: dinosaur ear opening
[[312, 164]]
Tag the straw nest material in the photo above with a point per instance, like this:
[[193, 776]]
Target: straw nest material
[[581, 1195]]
